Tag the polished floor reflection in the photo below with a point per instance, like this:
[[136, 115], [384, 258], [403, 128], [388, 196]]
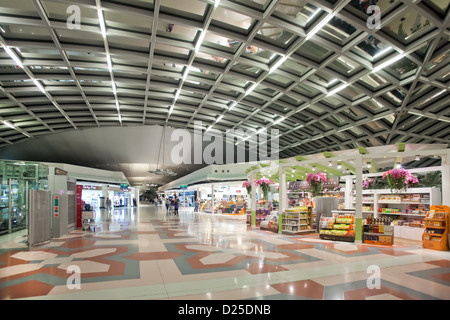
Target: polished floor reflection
[[144, 253]]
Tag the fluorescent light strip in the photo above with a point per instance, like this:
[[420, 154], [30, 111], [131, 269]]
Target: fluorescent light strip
[[177, 94], [216, 3], [102, 22], [278, 64], [114, 87], [119, 117], [209, 128], [170, 110], [313, 15], [219, 118], [199, 41], [13, 56], [38, 85], [109, 62], [186, 73], [319, 26], [232, 105], [382, 52], [336, 90], [251, 88], [279, 120], [8, 124], [387, 63]]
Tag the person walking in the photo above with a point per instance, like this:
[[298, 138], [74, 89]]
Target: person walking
[[167, 202], [177, 204], [196, 205]]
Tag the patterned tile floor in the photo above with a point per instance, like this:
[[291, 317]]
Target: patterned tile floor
[[142, 253]]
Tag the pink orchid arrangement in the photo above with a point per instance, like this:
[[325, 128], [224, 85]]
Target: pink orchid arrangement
[[399, 179], [247, 185], [264, 183], [316, 181]]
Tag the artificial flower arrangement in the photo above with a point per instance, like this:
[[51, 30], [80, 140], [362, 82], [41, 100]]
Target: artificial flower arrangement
[[264, 183], [248, 185], [316, 181], [399, 179], [367, 183]]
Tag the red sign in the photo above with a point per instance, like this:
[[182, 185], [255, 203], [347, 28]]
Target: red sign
[[79, 205]]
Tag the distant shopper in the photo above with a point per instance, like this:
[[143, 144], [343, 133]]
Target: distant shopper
[[156, 202], [196, 205], [177, 204], [167, 203], [108, 204]]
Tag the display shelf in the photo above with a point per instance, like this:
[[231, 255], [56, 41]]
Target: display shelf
[[297, 220], [435, 235], [407, 208], [339, 227]]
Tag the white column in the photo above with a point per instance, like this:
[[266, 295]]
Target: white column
[[348, 192], [282, 189], [446, 179], [212, 198], [358, 200]]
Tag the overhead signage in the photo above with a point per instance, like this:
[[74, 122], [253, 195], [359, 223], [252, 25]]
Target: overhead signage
[[60, 172], [183, 186]]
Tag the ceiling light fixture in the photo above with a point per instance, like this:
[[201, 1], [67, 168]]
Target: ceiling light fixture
[[199, 41], [216, 3], [170, 110], [8, 124], [337, 89], [279, 120], [232, 105], [102, 22], [387, 63], [40, 87], [277, 64], [382, 52], [319, 26], [253, 86], [219, 118], [13, 56]]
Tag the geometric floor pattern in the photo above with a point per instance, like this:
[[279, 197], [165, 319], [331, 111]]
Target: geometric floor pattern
[[143, 253]]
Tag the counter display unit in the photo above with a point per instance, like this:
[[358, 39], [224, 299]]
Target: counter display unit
[[297, 220], [435, 235], [340, 227]]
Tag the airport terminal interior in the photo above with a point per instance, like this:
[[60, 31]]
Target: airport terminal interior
[[224, 150]]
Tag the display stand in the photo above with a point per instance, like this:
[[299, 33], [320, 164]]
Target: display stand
[[436, 233], [297, 220], [340, 227]]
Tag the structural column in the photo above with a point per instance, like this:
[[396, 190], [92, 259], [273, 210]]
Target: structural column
[[253, 199], [445, 163], [358, 199], [212, 198], [282, 196]]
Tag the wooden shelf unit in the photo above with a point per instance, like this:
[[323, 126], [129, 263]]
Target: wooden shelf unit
[[435, 235]]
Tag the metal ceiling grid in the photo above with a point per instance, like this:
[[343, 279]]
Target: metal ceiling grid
[[311, 68]]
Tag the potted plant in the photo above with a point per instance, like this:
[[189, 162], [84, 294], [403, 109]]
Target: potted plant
[[399, 179]]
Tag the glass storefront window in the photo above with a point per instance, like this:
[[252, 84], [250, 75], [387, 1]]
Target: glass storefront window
[[16, 178]]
